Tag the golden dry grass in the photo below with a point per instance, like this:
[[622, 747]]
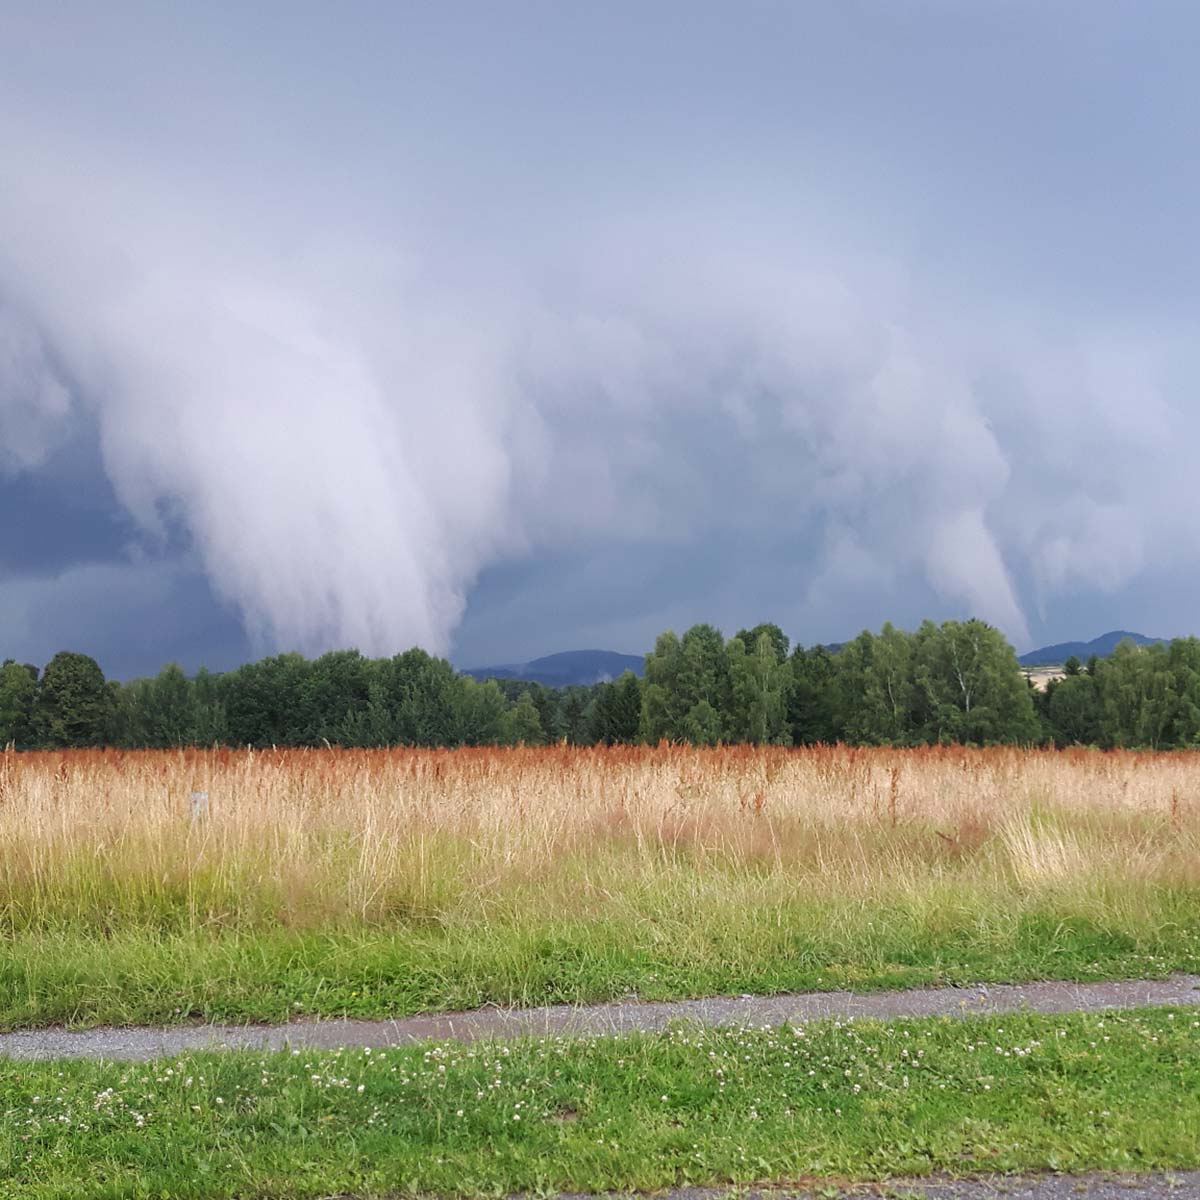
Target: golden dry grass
[[302, 838], [378, 882]]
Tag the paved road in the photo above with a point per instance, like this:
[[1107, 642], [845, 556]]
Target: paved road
[[1174, 1185], [143, 1043]]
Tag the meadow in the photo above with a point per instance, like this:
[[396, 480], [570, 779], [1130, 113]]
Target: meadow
[[819, 1103], [374, 882]]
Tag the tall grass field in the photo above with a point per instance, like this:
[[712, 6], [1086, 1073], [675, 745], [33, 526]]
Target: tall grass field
[[394, 881]]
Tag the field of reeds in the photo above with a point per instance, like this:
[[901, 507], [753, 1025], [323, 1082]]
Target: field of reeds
[[373, 882]]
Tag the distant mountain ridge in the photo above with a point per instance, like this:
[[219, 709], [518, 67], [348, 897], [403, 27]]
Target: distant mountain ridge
[[580, 668], [1101, 646], [567, 669]]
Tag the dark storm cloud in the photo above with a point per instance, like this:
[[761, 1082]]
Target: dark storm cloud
[[62, 514], [504, 332], [124, 615]]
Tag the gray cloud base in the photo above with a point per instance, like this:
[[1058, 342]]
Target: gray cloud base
[[505, 334]]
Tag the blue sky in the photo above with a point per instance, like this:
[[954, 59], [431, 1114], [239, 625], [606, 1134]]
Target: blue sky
[[511, 329]]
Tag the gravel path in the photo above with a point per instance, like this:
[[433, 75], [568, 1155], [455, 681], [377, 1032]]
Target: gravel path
[[1054, 997], [1171, 1185]]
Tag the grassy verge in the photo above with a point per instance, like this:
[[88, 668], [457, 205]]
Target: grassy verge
[[394, 881], [860, 1101], [138, 976]]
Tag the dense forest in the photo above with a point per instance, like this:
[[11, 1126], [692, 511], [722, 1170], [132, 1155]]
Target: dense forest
[[954, 682]]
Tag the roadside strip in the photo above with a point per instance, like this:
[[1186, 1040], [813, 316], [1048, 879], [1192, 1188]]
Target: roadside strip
[[141, 1043]]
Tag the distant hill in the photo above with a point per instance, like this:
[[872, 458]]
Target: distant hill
[[583, 667], [565, 669], [1102, 647]]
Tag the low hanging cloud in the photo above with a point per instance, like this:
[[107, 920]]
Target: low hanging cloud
[[348, 400], [338, 464], [345, 469], [346, 449], [35, 412]]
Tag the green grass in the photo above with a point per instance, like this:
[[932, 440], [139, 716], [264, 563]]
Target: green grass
[[857, 1101], [140, 975], [391, 882]]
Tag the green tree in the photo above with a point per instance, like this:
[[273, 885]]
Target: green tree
[[478, 714], [1183, 660], [128, 712], [812, 698], [627, 707], [211, 726], [703, 725], [778, 639], [546, 702], [432, 705], [334, 690], [704, 670], [171, 719], [574, 720], [370, 723], [1072, 711], [18, 691], [1138, 696], [662, 699], [521, 724], [760, 681], [74, 704], [876, 690], [891, 687], [680, 676], [266, 702], [969, 685], [616, 712], [599, 715]]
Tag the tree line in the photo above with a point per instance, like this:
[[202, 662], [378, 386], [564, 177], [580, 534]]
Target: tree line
[[953, 682]]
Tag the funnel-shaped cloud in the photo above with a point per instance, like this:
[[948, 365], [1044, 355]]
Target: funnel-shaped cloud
[[352, 337]]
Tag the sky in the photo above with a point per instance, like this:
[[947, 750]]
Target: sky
[[509, 329]]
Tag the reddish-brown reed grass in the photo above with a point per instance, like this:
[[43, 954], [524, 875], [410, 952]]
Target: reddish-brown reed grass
[[305, 837]]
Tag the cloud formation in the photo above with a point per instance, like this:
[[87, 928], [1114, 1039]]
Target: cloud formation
[[36, 408], [350, 369]]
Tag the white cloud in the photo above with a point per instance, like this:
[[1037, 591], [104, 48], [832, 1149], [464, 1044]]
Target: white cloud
[[35, 406], [360, 371]]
